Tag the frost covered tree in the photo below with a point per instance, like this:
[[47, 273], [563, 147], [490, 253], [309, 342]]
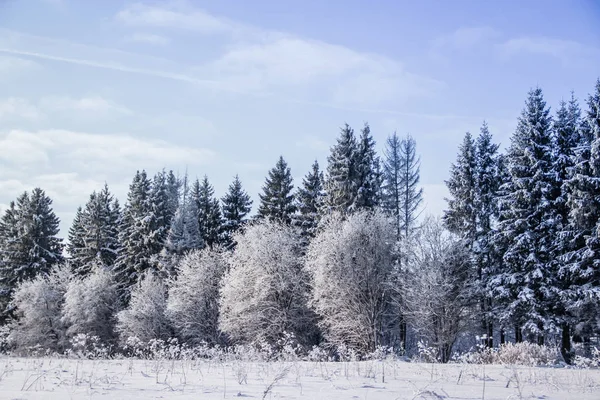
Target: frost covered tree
[[488, 179], [265, 292], [210, 221], [159, 218], [135, 231], [582, 272], [94, 233], [525, 285], [38, 306], [193, 302], [351, 262], [90, 306], [236, 205], [340, 182], [368, 174], [309, 200], [277, 197], [184, 233], [28, 242], [174, 186], [461, 216], [145, 316], [435, 288]]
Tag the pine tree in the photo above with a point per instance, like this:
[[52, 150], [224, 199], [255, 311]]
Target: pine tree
[[525, 285], [184, 233], [209, 212], [136, 228], [461, 218], [93, 235], [582, 271], [174, 186], [277, 199], [340, 183], [487, 184], [236, 206], [309, 200], [28, 241], [367, 175]]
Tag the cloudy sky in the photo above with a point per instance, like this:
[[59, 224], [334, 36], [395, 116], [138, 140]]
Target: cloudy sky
[[90, 91]]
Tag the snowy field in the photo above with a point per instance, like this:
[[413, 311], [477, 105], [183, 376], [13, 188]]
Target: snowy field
[[52, 378]]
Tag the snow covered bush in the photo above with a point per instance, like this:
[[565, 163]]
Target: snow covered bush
[[193, 304], [265, 292], [434, 288], [90, 306], [38, 305], [351, 263], [145, 316], [524, 353]]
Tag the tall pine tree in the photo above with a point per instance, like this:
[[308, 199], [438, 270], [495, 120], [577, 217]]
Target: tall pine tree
[[93, 237], [236, 205], [28, 242], [582, 272], [277, 199], [368, 175], [210, 220], [340, 183], [309, 200], [524, 286]]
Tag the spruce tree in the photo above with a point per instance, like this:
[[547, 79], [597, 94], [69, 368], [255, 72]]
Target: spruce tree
[[582, 272], [93, 237], [136, 228], [277, 199], [367, 175], [340, 183], [411, 195], [236, 205], [487, 184], [184, 233], [209, 212], [461, 218], [309, 200], [28, 241], [525, 284]]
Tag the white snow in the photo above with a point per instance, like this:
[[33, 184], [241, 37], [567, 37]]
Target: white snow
[[54, 378]]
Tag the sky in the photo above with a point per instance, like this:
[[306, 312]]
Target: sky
[[91, 91]]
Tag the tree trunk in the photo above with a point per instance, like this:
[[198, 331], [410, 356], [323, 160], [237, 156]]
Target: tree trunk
[[565, 346], [518, 334], [502, 337]]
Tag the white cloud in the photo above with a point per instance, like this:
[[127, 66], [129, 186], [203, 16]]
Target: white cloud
[[93, 104], [11, 65], [14, 107], [337, 75], [465, 38], [148, 38], [94, 152], [174, 16], [565, 50]]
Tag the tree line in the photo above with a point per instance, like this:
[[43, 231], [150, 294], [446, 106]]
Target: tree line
[[343, 259]]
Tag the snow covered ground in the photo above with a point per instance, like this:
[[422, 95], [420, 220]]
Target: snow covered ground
[[53, 378]]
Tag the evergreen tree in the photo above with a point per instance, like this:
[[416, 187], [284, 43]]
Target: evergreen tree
[[277, 199], [28, 241], [461, 218], [582, 271], [209, 212], [236, 206], [367, 174], [174, 186], [135, 232], [340, 184], [525, 284], [93, 235], [487, 184], [309, 199], [184, 233]]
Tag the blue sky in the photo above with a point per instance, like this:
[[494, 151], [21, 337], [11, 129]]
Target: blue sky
[[90, 91]]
